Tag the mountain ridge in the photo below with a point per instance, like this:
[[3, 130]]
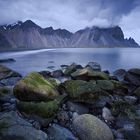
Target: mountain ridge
[[29, 35]]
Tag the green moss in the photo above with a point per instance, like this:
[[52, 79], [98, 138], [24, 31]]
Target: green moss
[[36, 79], [105, 84], [42, 109], [122, 108], [89, 72], [82, 90], [53, 82], [35, 87], [70, 69]]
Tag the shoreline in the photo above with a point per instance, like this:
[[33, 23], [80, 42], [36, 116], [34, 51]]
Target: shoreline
[[25, 49]]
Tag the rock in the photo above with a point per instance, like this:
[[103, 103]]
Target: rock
[[54, 82], [131, 131], [118, 134], [89, 74], [75, 115], [120, 73], [6, 94], [10, 81], [94, 65], [119, 88], [106, 114], [7, 60], [14, 127], [63, 66], [105, 85], [42, 109], [5, 90], [7, 73], [77, 107], [57, 73], [34, 87], [89, 127], [130, 99], [123, 108], [133, 79], [57, 132], [134, 71], [45, 74], [72, 68], [137, 92], [83, 91], [102, 101]]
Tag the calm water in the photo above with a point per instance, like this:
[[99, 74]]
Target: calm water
[[109, 58]]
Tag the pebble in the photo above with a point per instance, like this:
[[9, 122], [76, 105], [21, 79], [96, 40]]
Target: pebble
[[106, 114]]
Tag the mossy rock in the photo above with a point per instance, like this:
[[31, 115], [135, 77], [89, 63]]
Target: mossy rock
[[119, 88], [54, 82], [72, 68], [89, 74], [83, 91], [41, 109], [34, 87], [105, 85], [122, 108]]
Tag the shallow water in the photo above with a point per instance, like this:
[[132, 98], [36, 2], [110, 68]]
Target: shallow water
[[50, 59]]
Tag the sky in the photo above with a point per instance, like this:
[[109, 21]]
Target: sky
[[75, 14]]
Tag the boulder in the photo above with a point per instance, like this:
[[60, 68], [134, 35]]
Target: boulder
[[72, 68], [41, 109], [34, 87], [105, 85], [45, 74], [89, 74], [89, 127], [94, 65], [57, 73], [120, 73], [134, 71], [119, 88], [57, 132], [134, 79], [15, 128], [83, 91]]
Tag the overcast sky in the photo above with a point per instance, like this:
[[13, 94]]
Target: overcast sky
[[75, 14]]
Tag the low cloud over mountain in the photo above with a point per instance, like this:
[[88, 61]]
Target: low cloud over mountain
[[74, 15]]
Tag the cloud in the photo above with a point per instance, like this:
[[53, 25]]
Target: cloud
[[72, 14]]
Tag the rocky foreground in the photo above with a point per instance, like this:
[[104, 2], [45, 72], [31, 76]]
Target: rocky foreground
[[73, 103]]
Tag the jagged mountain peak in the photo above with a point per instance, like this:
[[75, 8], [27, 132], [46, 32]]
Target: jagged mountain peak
[[29, 35], [29, 24]]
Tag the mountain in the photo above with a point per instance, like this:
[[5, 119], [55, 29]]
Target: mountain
[[28, 35]]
